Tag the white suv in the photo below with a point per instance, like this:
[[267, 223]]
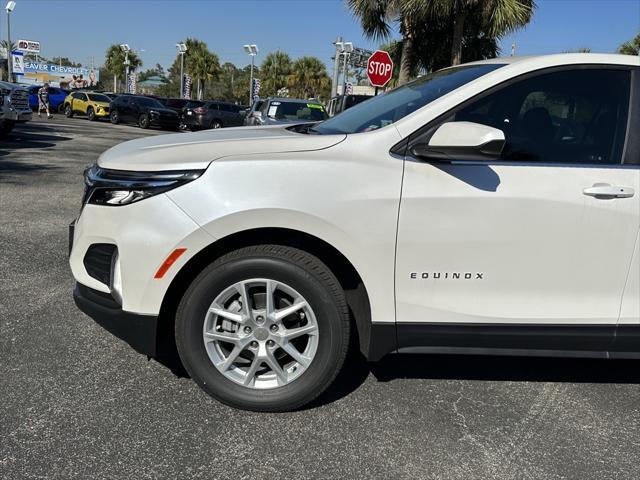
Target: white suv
[[492, 207]]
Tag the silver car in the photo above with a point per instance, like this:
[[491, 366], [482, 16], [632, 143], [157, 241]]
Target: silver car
[[277, 111]]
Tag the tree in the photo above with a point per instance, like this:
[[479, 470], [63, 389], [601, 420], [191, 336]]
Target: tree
[[114, 63], [632, 47], [309, 78], [274, 72], [200, 63], [445, 20], [64, 61], [494, 17], [157, 71]]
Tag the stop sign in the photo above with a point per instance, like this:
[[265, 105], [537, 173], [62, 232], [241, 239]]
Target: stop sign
[[379, 68]]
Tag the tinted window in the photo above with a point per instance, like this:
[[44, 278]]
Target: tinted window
[[574, 116], [194, 104], [98, 97], [296, 111], [225, 107], [81, 96], [213, 106], [148, 102], [390, 107]]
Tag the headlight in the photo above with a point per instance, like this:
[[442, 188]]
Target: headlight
[[121, 187], [154, 113]]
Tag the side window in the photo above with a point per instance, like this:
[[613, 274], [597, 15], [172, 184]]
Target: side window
[[213, 106], [76, 95], [82, 96], [224, 107], [573, 116]]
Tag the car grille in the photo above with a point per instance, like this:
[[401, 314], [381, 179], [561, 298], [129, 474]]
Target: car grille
[[97, 261], [19, 99]]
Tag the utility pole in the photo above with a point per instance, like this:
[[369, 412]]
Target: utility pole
[[347, 49], [336, 66], [182, 49], [513, 49], [251, 50], [9, 8], [126, 49]]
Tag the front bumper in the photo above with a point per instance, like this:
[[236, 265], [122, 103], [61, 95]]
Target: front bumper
[[13, 115], [194, 121], [139, 331]]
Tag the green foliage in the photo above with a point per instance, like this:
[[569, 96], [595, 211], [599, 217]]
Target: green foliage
[[274, 73], [309, 79], [632, 47]]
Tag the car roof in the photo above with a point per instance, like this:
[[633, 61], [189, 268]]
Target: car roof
[[296, 100], [568, 58]]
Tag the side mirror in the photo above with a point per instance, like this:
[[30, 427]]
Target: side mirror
[[462, 141]]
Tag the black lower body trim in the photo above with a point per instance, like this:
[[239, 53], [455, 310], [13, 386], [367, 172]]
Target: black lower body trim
[[605, 341], [139, 331]]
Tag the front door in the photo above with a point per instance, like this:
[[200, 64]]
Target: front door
[[540, 237]]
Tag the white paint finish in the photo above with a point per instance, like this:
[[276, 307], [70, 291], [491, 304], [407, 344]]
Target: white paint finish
[[630, 307], [145, 234], [197, 150], [464, 134], [346, 195], [547, 252]]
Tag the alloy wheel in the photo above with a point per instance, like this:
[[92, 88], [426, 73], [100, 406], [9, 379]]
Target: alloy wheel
[[260, 333]]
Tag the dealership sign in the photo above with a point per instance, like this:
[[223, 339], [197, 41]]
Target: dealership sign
[[59, 75], [17, 62], [29, 46]]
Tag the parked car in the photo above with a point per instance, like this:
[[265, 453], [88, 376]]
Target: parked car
[[288, 110], [342, 102], [93, 105], [14, 106], [56, 98], [488, 208], [213, 114], [144, 111], [249, 116]]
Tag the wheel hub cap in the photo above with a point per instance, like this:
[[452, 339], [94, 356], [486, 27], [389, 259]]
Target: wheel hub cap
[[260, 333]]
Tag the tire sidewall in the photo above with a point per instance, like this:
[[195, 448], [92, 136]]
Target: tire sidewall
[[91, 114], [215, 124], [210, 283], [68, 112], [114, 117], [143, 121]]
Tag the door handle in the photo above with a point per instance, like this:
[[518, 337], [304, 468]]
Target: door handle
[[605, 191]]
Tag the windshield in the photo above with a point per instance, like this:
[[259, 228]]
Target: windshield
[[99, 98], [296, 111], [149, 102], [390, 107]]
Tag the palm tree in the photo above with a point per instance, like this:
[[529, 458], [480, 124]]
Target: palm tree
[[377, 18], [632, 47], [308, 77], [114, 63], [4, 44], [200, 63], [496, 17], [274, 72]]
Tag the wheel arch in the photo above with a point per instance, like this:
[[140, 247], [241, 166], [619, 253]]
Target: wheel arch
[[350, 280]]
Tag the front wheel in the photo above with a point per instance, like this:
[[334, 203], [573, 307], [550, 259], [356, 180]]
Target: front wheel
[[114, 117], [143, 121], [91, 114], [264, 328], [68, 111]]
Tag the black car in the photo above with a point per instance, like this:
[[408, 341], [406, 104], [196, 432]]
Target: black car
[[143, 111], [212, 114]]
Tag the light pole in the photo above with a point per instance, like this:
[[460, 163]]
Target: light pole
[[252, 50], [9, 8], [347, 49], [182, 49], [126, 49], [336, 66]]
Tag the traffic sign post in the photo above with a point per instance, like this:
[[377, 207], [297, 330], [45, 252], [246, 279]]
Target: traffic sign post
[[379, 68]]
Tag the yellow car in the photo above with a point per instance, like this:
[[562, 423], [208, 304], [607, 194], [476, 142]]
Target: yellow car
[[93, 105]]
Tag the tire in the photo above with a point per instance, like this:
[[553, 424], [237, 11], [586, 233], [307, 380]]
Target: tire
[[68, 111], [91, 114], [6, 126], [215, 124], [143, 121], [114, 117], [293, 272], [60, 108]]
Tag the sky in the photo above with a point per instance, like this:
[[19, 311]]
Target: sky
[[83, 29]]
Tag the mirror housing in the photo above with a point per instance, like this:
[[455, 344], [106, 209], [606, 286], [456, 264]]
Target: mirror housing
[[462, 141]]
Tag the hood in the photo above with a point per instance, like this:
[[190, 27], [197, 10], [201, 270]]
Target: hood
[[184, 151], [10, 86]]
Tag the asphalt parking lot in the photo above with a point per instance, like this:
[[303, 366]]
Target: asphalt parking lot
[[76, 402]]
